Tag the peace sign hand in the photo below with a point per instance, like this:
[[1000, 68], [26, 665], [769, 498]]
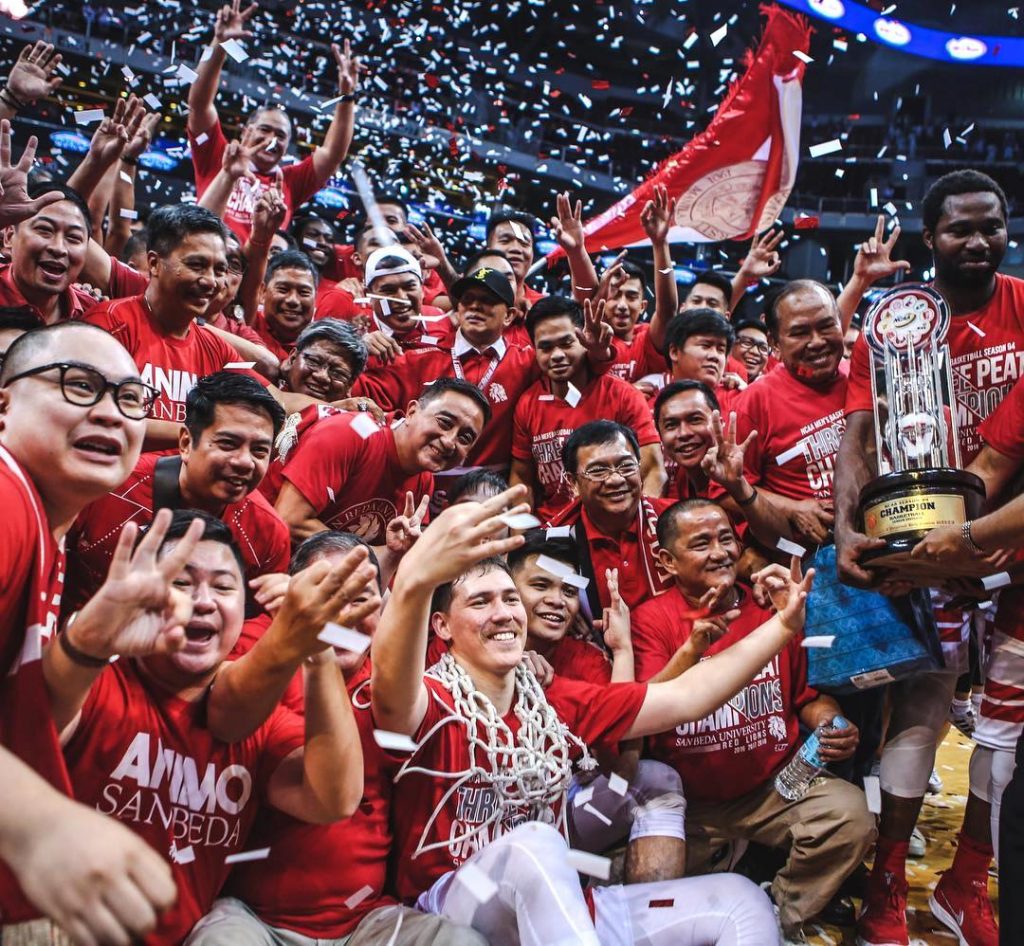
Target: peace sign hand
[[403, 531], [596, 334], [231, 20], [874, 258], [348, 68]]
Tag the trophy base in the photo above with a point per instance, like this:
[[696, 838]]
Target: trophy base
[[902, 508]]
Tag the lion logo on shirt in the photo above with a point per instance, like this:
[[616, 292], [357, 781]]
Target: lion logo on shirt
[[496, 393], [777, 728], [368, 520]]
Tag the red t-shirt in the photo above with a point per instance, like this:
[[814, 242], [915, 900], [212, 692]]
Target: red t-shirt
[[581, 660], [261, 535], [514, 334], [125, 281], [237, 327], [799, 428], [984, 366], [1003, 429], [298, 181], [338, 303], [278, 349], [353, 483], [32, 565], [74, 302], [393, 386], [597, 715], [171, 365], [542, 423], [744, 743], [638, 358], [145, 757], [326, 865]]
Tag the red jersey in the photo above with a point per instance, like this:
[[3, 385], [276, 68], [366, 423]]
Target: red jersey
[[295, 426], [235, 326], [74, 302], [744, 743], [327, 865], [353, 483], [581, 660], [597, 715], [1003, 429], [298, 181], [542, 423], [171, 365], [799, 428], [514, 334], [145, 757], [32, 565], [338, 303], [638, 358], [986, 350], [125, 281], [503, 372], [261, 535]]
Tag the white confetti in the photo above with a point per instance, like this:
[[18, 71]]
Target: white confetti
[[583, 796], [873, 793], [88, 115], [802, 56], [974, 328], [787, 547], [567, 574], [239, 365], [617, 784], [791, 454], [186, 75], [477, 882], [597, 814], [947, 138], [344, 638], [364, 425], [821, 640], [127, 214], [152, 101], [522, 520], [202, 139], [235, 50], [573, 395], [718, 35], [593, 865], [394, 741], [826, 147], [183, 855], [358, 897], [256, 854], [127, 178], [998, 580], [558, 532]]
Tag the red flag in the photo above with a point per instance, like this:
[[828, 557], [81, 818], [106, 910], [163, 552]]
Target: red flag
[[734, 178]]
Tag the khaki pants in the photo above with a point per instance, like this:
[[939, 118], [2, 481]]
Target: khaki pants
[[827, 833]]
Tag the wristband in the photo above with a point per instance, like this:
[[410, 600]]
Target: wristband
[[12, 99], [129, 161], [743, 503], [965, 534], [77, 656], [349, 97]]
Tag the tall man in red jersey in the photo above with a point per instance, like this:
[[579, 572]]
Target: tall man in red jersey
[[224, 450], [964, 225], [493, 800], [187, 256], [63, 443], [350, 475], [728, 762], [567, 395], [269, 128]]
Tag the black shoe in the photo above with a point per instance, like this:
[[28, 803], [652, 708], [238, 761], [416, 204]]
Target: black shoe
[[856, 884], [839, 911]]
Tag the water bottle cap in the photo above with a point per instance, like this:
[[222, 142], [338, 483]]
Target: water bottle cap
[[838, 722]]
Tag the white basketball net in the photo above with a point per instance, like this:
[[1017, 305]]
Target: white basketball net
[[530, 770]]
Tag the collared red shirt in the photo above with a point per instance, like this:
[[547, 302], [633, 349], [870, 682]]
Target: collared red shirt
[[73, 302]]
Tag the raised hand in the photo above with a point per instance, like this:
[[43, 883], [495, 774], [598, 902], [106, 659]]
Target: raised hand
[[115, 131], [596, 334], [462, 536], [433, 253], [762, 259], [614, 623], [136, 612], [32, 75], [269, 590], [237, 160], [15, 204], [874, 257], [568, 225], [723, 461], [267, 216], [656, 216], [788, 590], [140, 141], [610, 278], [709, 626], [348, 68], [231, 20], [403, 531]]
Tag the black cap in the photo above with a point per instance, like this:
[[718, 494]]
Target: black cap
[[490, 279]]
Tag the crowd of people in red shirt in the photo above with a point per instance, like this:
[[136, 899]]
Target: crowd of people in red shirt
[[354, 596]]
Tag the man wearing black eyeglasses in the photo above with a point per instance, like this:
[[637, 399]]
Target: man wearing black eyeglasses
[[71, 428]]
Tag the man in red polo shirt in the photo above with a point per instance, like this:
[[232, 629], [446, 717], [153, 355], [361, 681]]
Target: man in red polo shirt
[[225, 445], [47, 255], [187, 267], [566, 396], [58, 452], [287, 298], [728, 761], [346, 473], [797, 412], [613, 523], [964, 218], [269, 128]]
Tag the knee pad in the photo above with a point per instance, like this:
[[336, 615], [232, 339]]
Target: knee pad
[[663, 816], [991, 771]]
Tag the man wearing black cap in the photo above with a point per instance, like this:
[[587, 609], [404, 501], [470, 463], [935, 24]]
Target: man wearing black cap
[[484, 304]]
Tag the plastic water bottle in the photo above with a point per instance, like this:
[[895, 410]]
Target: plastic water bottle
[[794, 780]]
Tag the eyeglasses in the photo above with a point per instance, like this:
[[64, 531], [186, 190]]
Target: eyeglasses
[[236, 266], [84, 386], [744, 342], [598, 474], [315, 364]]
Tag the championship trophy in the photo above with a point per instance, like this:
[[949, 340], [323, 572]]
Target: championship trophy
[[920, 485]]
